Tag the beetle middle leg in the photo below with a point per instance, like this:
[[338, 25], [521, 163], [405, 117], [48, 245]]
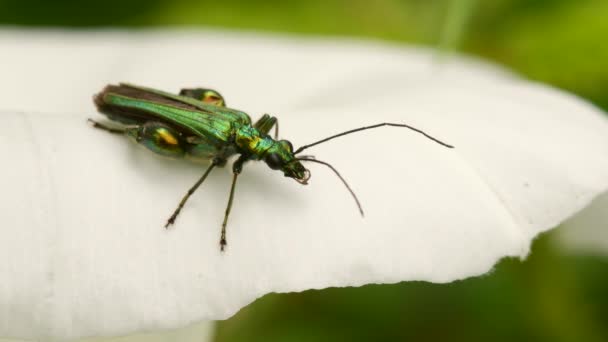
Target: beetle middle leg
[[181, 204], [237, 167]]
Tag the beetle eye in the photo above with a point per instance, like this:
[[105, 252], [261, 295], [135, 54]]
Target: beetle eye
[[274, 161]]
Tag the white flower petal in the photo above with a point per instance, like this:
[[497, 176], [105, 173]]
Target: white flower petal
[[83, 244]]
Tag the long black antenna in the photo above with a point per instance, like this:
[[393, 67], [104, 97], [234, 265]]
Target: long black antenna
[[370, 127], [339, 176]]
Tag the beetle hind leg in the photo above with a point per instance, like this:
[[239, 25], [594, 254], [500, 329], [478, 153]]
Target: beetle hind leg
[[204, 95], [158, 138], [106, 128]]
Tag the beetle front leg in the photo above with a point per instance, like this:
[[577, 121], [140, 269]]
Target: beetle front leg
[[237, 167], [276, 130], [265, 124]]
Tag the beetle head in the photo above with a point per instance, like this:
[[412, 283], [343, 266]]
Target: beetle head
[[280, 157]]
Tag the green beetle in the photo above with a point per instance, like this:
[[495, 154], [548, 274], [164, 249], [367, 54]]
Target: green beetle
[[197, 124]]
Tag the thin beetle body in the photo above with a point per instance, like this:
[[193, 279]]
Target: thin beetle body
[[197, 124]]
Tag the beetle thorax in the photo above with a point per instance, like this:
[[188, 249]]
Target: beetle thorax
[[252, 142]]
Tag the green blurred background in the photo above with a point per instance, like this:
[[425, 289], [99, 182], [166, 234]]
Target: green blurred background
[[551, 296]]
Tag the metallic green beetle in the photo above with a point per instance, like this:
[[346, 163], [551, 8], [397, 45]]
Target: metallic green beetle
[[197, 124]]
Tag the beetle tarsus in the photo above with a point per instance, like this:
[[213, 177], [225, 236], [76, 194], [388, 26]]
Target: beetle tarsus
[[237, 166], [170, 221]]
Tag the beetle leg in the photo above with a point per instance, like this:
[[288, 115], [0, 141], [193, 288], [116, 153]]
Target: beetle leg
[[223, 242], [276, 130], [204, 95], [171, 219], [237, 167], [265, 124], [158, 138], [106, 128]]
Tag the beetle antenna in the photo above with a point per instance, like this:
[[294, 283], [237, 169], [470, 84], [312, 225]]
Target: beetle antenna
[[339, 176], [370, 127]]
